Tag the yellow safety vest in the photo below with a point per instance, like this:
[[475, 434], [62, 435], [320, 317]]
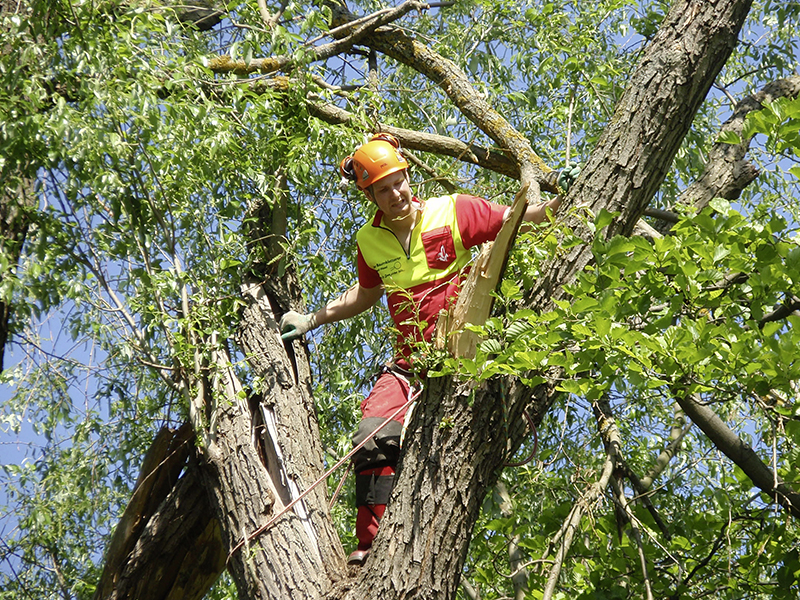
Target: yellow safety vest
[[423, 281], [435, 251]]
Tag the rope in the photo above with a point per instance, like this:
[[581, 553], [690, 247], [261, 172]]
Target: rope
[[248, 539], [339, 487], [535, 444]]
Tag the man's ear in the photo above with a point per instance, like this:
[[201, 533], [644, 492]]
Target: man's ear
[[368, 194]]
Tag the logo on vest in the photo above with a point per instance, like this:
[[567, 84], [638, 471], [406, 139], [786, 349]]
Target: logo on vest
[[442, 256]]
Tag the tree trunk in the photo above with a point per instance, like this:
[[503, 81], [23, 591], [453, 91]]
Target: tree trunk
[[634, 153], [253, 475], [456, 444], [15, 201]]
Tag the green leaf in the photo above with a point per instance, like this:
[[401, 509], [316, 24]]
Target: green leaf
[[604, 218], [721, 205], [729, 137]]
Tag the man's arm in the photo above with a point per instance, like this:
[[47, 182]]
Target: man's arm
[[538, 213], [354, 301], [564, 180]]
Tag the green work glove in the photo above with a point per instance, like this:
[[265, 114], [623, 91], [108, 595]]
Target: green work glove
[[568, 175], [295, 325]]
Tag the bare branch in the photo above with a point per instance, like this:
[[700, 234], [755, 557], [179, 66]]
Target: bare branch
[[609, 431], [679, 431], [271, 20], [727, 170], [570, 526], [622, 502], [739, 452]]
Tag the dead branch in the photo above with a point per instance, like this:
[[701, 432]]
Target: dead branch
[[607, 426], [678, 432], [519, 576]]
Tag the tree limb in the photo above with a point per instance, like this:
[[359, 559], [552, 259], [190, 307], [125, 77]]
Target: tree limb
[[519, 577], [397, 44], [650, 122], [739, 452], [203, 14], [727, 170], [167, 541], [486, 158]]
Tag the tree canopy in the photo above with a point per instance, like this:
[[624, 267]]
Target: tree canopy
[[628, 424]]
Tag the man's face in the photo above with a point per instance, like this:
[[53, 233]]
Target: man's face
[[393, 196]]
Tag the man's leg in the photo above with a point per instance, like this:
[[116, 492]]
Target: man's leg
[[375, 463]]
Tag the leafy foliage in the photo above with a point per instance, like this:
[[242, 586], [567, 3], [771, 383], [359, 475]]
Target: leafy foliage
[[151, 168]]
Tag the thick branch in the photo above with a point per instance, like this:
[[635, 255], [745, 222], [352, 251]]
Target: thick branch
[[168, 541], [727, 170], [203, 14], [740, 453], [486, 158]]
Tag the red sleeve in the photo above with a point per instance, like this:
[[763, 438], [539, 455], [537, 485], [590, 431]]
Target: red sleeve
[[478, 220], [367, 276]]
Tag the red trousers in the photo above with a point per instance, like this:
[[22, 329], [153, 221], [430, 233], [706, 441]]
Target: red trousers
[[375, 463]]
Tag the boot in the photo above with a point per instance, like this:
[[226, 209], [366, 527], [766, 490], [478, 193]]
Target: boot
[[367, 521]]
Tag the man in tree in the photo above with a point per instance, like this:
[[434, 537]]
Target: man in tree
[[417, 252]]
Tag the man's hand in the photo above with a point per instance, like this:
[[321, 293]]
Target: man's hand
[[568, 175], [295, 325]]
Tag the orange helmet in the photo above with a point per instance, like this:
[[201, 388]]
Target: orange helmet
[[379, 157]]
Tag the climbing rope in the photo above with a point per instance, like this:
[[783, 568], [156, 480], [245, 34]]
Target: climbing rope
[[535, 443]]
